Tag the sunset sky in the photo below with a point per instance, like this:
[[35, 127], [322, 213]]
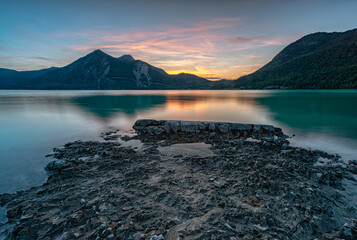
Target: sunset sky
[[213, 39]]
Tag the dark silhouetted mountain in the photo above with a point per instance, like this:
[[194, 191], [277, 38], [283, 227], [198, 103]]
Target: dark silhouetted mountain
[[11, 79], [316, 61], [99, 70]]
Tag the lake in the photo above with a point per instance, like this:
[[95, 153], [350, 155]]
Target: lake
[[34, 122]]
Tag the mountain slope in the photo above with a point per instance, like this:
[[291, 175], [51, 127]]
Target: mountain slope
[[316, 61], [11, 79], [99, 70]]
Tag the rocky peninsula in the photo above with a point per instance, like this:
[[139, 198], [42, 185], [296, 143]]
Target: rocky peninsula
[[188, 180]]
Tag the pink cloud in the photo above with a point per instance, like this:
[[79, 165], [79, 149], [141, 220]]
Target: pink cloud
[[208, 45]]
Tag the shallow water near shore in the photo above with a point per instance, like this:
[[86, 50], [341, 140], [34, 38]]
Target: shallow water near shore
[[33, 122]]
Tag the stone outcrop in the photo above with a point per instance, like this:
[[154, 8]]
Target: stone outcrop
[[161, 127], [242, 188]]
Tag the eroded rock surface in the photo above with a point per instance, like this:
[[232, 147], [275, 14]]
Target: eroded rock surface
[[244, 190]]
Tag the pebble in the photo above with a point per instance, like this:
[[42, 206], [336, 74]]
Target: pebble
[[102, 207], [157, 237], [171, 169], [218, 184], [261, 228]]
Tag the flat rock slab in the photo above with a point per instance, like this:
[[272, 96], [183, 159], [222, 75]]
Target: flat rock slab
[[159, 127]]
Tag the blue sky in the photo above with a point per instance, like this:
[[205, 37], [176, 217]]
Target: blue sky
[[213, 39]]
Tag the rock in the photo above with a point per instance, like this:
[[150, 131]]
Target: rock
[[103, 207], [223, 128], [218, 184], [188, 127], [125, 138], [228, 226], [172, 126], [56, 165], [63, 236], [145, 122], [211, 127], [5, 198], [269, 139], [155, 237], [158, 131], [261, 228], [170, 169], [201, 125], [213, 135], [262, 128], [266, 144], [352, 168], [346, 233], [241, 127], [150, 126], [353, 225]]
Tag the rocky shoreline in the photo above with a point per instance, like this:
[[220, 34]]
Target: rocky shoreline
[[188, 180]]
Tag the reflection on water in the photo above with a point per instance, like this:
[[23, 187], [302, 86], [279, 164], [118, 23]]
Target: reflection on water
[[33, 122], [105, 106], [334, 111]]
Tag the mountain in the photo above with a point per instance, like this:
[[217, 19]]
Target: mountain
[[99, 70], [11, 79], [316, 61]]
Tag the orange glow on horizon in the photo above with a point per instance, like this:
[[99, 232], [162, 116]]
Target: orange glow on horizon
[[217, 74]]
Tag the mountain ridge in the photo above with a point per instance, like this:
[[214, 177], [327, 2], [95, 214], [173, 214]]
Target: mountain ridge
[[316, 61], [98, 70]]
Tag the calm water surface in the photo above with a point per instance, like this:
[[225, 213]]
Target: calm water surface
[[33, 122]]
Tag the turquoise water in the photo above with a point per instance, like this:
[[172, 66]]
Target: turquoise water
[[33, 122]]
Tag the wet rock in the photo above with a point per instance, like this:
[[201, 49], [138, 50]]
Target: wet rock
[[151, 127], [228, 226], [157, 237], [212, 127], [5, 198], [158, 131], [63, 236], [188, 127], [260, 228], [346, 233], [170, 169], [218, 184], [353, 227], [172, 126], [213, 135], [57, 165], [241, 127], [352, 166], [223, 128], [125, 138], [103, 207]]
